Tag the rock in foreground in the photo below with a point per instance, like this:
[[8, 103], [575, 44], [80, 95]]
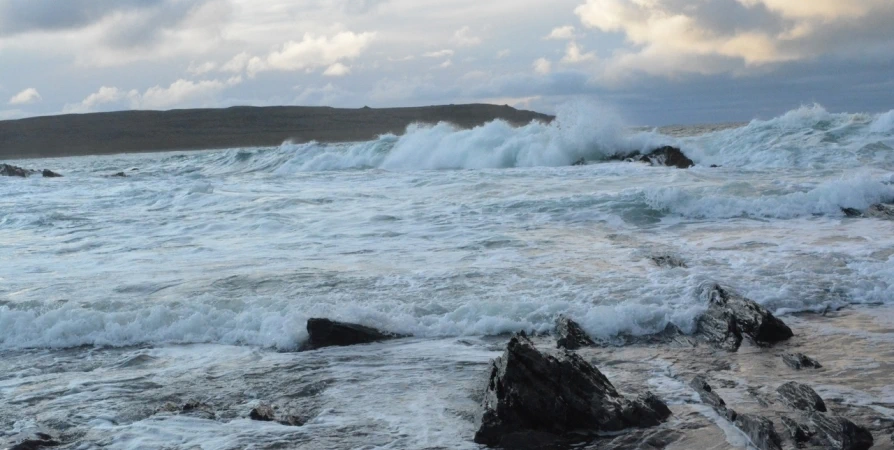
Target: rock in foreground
[[329, 333], [534, 398], [799, 361], [730, 316]]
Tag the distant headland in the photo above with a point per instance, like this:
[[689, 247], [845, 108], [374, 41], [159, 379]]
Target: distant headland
[[238, 126]]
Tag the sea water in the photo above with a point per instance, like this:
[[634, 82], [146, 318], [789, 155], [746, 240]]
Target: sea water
[[192, 277]]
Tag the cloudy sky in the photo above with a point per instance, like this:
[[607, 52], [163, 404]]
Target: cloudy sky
[[653, 61]]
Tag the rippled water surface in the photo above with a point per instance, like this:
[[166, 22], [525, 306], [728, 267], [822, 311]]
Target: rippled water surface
[[192, 278]]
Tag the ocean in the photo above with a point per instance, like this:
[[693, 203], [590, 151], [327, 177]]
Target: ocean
[[191, 278]]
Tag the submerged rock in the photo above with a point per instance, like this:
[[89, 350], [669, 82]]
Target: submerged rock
[[852, 212], [534, 398], [881, 211], [119, 175], [8, 170], [47, 173], [262, 412], [799, 361], [570, 335], [329, 333], [668, 156], [38, 441], [580, 162], [708, 396], [730, 316], [668, 261]]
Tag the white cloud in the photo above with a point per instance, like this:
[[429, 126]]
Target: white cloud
[[200, 69], [312, 52], [439, 53], [181, 93], [337, 70], [463, 38], [25, 97], [543, 66], [561, 33], [446, 64], [237, 63], [503, 53], [671, 36], [574, 54]]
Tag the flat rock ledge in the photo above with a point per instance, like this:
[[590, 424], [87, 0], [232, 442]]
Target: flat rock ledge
[[730, 317], [329, 333], [536, 399]]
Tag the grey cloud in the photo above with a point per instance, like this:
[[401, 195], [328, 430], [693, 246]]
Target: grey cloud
[[17, 16]]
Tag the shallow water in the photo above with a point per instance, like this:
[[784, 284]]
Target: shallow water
[[199, 269]]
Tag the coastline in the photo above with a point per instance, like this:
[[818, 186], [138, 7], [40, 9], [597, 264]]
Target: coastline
[[240, 126]]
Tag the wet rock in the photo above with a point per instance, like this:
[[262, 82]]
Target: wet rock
[[729, 317], [262, 412], [37, 441], [760, 430], [50, 174], [709, 397], [119, 174], [800, 396], [291, 420], [8, 170], [852, 212], [534, 398], [668, 156], [799, 361], [570, 335], [329, 333], [194, 408], [881, 211], [799, 432], [668, 261], [580, 162], [838, 433]]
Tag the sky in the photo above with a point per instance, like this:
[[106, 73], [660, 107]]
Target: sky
[[653, 62]]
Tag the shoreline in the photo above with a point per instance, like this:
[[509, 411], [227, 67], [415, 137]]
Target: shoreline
[[240, 126]]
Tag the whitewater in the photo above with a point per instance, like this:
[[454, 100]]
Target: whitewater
[[193, 277]]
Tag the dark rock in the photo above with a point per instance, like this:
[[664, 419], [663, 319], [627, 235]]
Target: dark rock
[[760, 430], [580, 162], [852, 212], [570, 335], [730, 316], [668, 156], [328, 333], [668, 261], [119, 174], [50, 174], [38, 441], [8, 170], [262, 412], [838, 433], [799, 361], [198, 409], [800, 396], [533, 395], [881, 211], [799, 432], [711, 398], [714, 166]]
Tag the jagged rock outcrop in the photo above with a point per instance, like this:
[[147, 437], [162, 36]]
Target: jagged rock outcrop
[[534, 399], [329, 333], [838, 433], [570, 335], [800, 361], [800, 396], [709, 397], [8, 170], [880, 211], [760, 430], [729, 317], [47, 173], [667, 156], [263, 412]]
